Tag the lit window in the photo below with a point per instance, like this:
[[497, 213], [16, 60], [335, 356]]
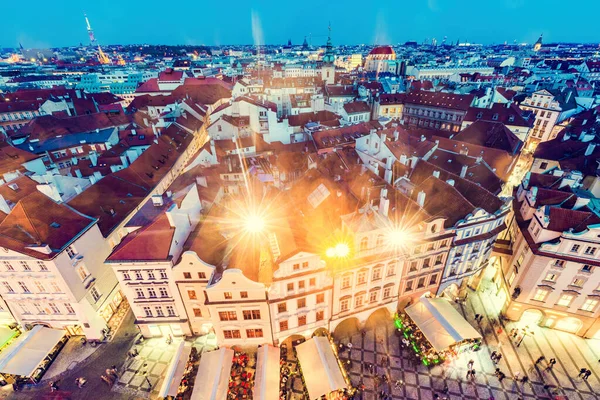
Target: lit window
[[82, 272], [320, 298], [589, 305], [251, 314], [192, 295], [540, 295], [364, 244], [283, 325], [40, 288], [578, 282], [301, 303], [346, 281], [301, 320], [362, 277], [254, 333], [227, 295], [227, 316], [197, 312], [244, 295], [387, 292], [551, 277], [344, 305], [320, 315], [565, 300], [376, 273]]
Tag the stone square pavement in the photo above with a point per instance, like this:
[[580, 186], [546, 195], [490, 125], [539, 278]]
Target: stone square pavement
[[421, 382], [152, 362]]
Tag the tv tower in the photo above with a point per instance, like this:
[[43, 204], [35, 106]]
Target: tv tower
[[90, 30]]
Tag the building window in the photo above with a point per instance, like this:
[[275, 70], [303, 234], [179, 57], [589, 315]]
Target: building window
[[151, 292], [8, 266], [254, 333], [364, 244], [71, 252], [148, 311], [575, 248], [540, 295], [391, 269], [301, 285], [380, 241], [587, 268], [201, 275], [413, 266], [7, 287], [187, 275], [559, 263], [139, 293], [590, 251], [421, 282], [24, 287], [320, 315], [426, 263], [362, 277], [232, 334], [320, 298], [439, 259], [251, 314], [227, 295], [138, 275], [344, 305], [550, 277], [151, 275], [244, 295], [565, 300], [387, 292], [346, 281], [40, 288], [25, 266], [312, 281], [283, 325], [433, 279], [55, 287], [305, 264], [82, 272], [296, 267], [192, 295], [69, 308], [170, 311], [159, 311], [163, 292], [42, 266], [301, 303], [126, 275], [197, 312], [290, 287], [589, 305], [409, 286], [578, 282], [95, 294], [163, 274], [372, 297], [301, 320], [227, 316], [377, 273]]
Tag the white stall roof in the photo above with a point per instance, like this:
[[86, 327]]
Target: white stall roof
[[266, 384], [175, 372], [441, 324], [320, 367], [27, 352], [212, 380]]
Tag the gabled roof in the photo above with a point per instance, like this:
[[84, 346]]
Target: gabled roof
[[490, 134], [37, 221], [508, 114], [440, 99], [149, 243], [357, 107]]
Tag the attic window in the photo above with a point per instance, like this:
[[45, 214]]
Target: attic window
[[495, 117], [479, 115], [511, 118], [55, 225], [142, 137], [129, 195]]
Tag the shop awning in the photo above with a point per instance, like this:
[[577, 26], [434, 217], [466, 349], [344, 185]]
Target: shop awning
[[27, 352], [266, 384], [320, 367], [175, 372], [441, 324], [212, 380]]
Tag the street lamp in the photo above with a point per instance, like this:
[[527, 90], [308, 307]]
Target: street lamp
[[525, 332]]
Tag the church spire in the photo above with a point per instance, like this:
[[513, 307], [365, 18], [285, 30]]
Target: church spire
[[329, 57]]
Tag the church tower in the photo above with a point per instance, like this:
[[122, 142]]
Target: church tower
[[538, 45], [328, 69]]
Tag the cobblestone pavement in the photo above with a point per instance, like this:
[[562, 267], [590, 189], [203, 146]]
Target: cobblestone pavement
[[144, 374], [420, 382]]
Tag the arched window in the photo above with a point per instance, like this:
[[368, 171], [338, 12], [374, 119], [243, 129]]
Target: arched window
[[379, 240], [364, 244]]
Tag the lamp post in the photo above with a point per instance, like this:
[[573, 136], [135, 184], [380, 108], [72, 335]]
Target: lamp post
[[525, 332]]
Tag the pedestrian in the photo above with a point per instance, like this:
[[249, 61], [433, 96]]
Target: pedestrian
[[516, 376], [106, 380], [498, 358], [540, 359], [582, 372], [502, 376], [480, 318], [470, 364], [436, 396], [476, 317], [525, 379], [587, 375], [493, 355], [513, 332], [53, 386], [469, 373], [552, 361]]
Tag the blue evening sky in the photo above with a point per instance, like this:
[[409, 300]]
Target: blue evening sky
[[42, 23]]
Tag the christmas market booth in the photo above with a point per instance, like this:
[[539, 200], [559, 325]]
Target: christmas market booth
[[212, 380], [267, 377], [28, 357], [435, 330], [322, 371], [180, 364]]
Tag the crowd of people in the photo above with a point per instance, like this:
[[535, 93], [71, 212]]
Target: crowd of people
[[189, 375], [240, 383]]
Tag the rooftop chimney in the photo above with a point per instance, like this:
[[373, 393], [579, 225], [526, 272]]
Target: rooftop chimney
[[463, 171], [436, 174], [157, 200], [590, 149], [450, 182], [421, 198]]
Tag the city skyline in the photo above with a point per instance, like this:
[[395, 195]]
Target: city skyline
[[267, 24]]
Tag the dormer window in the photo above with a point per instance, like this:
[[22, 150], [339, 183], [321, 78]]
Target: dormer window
[[495, 117], [479, 115]]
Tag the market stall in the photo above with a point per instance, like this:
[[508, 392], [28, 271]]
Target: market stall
[[170, 386], [436, 330], [321, 369], [31, 354], [266, 384], [212, 379]]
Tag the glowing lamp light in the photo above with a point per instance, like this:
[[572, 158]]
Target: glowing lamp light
[[330, 252], [342, 250], [398, 237], [254, 223]]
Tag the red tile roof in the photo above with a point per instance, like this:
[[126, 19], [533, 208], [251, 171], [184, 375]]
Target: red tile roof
[[149, 243], [440, 100], [356, 107], [490, 134]]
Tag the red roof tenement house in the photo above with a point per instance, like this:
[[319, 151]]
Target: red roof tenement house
[[436, 110]]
